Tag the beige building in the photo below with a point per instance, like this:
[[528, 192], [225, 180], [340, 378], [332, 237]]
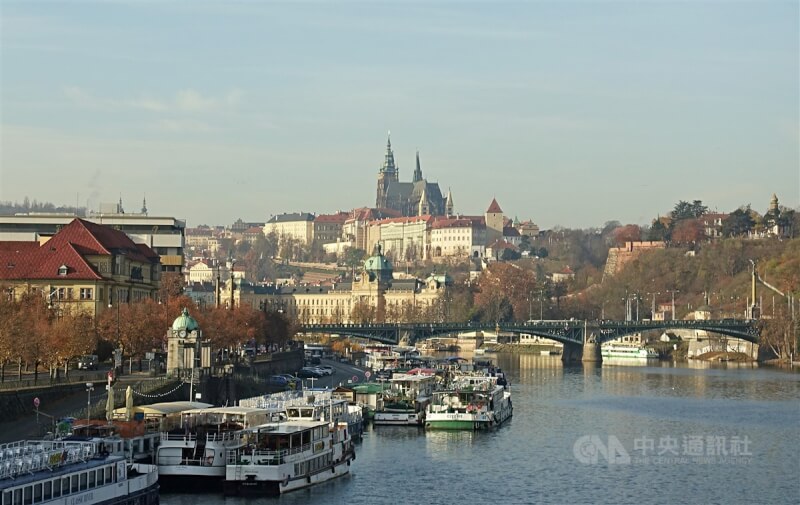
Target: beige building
[[458, 237], [298, 226], [402, 238]]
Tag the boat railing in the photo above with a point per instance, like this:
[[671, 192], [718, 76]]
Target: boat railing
[[185, 437], [27, 458], [264, 457]]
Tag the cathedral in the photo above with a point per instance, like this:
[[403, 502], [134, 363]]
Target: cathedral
[[416, 198]]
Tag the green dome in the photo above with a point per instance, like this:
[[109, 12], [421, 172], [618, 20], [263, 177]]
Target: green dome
[[184, 322], [378, 267]]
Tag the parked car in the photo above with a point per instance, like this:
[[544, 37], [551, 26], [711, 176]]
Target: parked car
[[278, 380], [308, 373], [326, 369], [290, 378]]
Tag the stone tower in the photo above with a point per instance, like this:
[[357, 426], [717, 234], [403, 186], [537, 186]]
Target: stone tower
[[375, 280], [494, 222]]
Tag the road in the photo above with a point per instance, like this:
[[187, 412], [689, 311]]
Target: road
[[344, 374], [26, 427]]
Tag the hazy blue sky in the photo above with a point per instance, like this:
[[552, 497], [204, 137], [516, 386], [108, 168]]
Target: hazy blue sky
[[569, 113]]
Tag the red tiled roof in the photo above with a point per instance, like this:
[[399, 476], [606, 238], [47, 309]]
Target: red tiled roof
[[494, 208], [501, 244], [69, 247], [408, 219], [454, 223], [510, 232], [339, 218], [254, 230]]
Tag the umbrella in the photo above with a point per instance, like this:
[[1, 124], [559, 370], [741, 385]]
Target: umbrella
[[129, 403], [110, 404]]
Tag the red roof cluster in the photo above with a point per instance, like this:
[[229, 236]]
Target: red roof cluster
[[68, 248]]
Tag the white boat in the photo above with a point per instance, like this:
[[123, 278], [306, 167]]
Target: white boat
[[197, 450], [627, 351], [405, 401], [72, 473], [471, 402], [286, 456], [311, 404]]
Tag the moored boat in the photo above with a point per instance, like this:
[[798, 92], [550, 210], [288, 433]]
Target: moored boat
[[197, 449], [287, 456], [469, 403], [405, 402], [627, 351], [73, 472]]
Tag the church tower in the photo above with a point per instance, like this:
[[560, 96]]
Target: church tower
[[448, 204], [417, 171], [386, 174]]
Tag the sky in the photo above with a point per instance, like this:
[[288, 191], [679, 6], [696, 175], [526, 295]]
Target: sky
[[568, 113]]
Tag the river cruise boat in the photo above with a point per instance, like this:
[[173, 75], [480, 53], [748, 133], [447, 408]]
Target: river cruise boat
[[73, 473], [404, 403], [197, 449], [469, 403], [627, 351], [312, 404], [287, 456]]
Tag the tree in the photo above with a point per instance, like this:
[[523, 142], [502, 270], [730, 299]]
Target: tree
[[627, 233], [171, 285], [685, 210], [688, 231], [738, 223], [658, 232], [503, 292]]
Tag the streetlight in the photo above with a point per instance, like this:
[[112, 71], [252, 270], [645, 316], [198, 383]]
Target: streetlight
[[116, 351], [530, 301], [89, 389], [230, 263], [541, 304]]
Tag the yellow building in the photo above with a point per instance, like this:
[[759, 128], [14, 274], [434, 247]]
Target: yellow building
[[374, 297], [83, 267]]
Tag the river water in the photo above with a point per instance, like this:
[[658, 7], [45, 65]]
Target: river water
[[617, 433]]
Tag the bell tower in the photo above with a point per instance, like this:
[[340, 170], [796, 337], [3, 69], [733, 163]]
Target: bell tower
[[386, 174]]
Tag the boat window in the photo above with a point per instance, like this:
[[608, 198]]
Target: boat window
[[100, 477], [18, 496], [56, 488], [28, 495], [83, 481], [74, 487], [65, 485], [37, 493], [7, 498], [109, 475], [48, 490], [91, 478]]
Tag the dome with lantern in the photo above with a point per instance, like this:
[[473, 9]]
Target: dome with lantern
[[377, 267], [184, 323]]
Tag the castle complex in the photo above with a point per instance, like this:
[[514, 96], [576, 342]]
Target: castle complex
[[416, 198]]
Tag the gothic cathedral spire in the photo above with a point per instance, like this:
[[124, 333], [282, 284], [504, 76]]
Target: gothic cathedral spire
[[417, 172]]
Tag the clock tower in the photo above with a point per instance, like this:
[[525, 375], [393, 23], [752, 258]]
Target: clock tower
[[186, 349]]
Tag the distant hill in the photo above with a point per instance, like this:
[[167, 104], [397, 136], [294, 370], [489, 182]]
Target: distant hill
[[27, 206]]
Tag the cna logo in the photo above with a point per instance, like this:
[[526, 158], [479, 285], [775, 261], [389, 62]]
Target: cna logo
[[590, 450]]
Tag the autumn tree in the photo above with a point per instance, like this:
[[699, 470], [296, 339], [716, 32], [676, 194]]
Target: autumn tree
[[503, 292], [688, 231], [627, 233]]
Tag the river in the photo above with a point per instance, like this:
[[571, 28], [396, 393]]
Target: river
[[617, 433]]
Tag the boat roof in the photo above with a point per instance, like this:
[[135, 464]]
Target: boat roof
[[226, 410], [292, 426], [164, 408]]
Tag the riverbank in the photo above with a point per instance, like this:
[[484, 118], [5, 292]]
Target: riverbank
[[736, 357]]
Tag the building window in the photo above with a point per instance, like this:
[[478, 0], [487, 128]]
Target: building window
[[62, 270], [86, 293]]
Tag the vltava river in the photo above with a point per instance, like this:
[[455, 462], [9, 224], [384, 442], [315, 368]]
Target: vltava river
[[618, 433]]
